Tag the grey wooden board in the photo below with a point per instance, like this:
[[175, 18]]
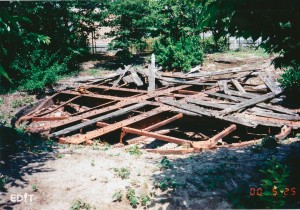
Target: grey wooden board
[[122, 74], [238, 86], [267, 78], [214, 73], [223, 85], [98, 119], [262, 105], [208, 104], [128, 79], [245, 95], [248, 103], [137, 80], [266, 113], [181, 81], [238, 118]]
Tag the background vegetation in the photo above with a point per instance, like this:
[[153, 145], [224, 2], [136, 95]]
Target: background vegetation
[[39, 41]]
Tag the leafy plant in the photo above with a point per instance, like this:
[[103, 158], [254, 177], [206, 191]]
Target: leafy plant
[[165, 164], [117, 196], [80, 205], [134, 201], [123, 173], [180, 54], [34, 187], [168, 183], [3, 181], [134, 150], [144, 199], [291, 79], [274, 183]]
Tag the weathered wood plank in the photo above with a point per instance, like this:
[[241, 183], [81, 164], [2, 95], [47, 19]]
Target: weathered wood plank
[[227, 71], [238, 86], [208, 104], [123, 72], [151, 77], [265, 113], [137, 80], [266, 77], [140, 139], [182, 81], [248, 103]]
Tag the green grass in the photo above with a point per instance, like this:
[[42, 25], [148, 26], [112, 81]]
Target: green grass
[[123, 173], [134, 150]]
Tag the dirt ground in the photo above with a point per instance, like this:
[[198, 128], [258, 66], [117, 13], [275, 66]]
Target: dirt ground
[[62, 176]]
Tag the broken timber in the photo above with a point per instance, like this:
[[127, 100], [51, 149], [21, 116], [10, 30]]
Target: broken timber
[[74, 116]]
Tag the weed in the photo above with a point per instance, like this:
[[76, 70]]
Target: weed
[[133, 199], [118, 196], [17, 103], [1, 101], [80, 205], [106, 146], [59, 156], [275, 182], [3, 181], [165, 164], [298, 135], [168, 183], [134, 150], [144, 199], [93, 163], [34, 187], [123, 173]]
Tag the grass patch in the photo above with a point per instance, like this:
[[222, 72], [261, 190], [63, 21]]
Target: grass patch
[[123, 173], [134, 150]]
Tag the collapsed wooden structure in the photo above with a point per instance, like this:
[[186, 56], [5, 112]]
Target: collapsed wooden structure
[[138, 104]]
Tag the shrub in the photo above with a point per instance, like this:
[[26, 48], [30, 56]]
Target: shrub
[[179, 55], [38, 69], [291, 79], [210, 46]]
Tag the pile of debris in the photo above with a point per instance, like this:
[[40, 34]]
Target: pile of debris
[[143, 105]]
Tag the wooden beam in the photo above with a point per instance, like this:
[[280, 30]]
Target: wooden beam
[[238, 86], [164, 122], [122, 74], [102, 124], [266, 113], [221, 72], [172, 151], [248, 103], [36, 119], [143, 138], [266, 77], [157, 136], [222, 134], [208, 104]]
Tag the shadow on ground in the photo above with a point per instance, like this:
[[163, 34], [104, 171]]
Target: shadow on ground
[[21, 154], [222, 178]]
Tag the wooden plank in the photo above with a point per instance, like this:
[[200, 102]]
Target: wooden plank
[[140, 139], [266, 77], [102, 124], [171, 151], [164, 122], [80, 138], [123, 72], [182, 81], [222, 72], [36, 119], [238, 86], [157, 136], [137, 80], [237, 93], [187, 92], [208, 104], [266, 113], [151, 77], [222, 134], [272, 122], [95, 120], [248, 103]]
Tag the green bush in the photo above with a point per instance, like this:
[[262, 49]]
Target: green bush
[[291, 79], [179, 55], [38, 69], [210, 46]]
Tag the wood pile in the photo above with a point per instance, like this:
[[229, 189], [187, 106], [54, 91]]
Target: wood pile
[[138, 104]]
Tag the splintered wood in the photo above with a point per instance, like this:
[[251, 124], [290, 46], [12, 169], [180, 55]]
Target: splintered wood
[[142, 105]]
